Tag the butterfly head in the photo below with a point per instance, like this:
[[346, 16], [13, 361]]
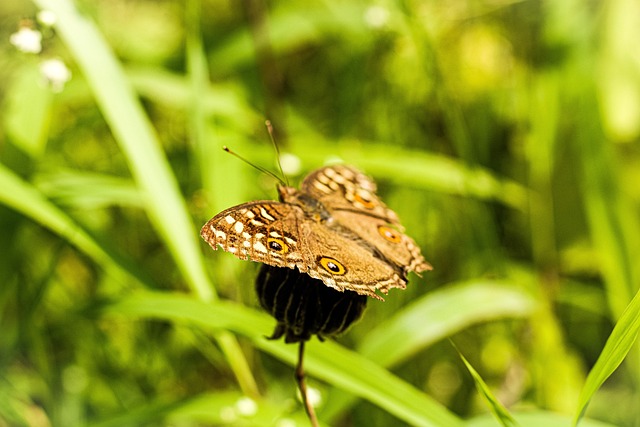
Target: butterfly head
[[287, 194]]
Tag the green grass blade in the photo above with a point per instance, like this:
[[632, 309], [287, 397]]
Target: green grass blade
[[172, 90], [133, 131], [535, 418], [497, 409], [23, 197], [326, 361], [417, 169], [214, 408], [613, 220], [618, 345], [398, 338], [88, 189], [198, 77]]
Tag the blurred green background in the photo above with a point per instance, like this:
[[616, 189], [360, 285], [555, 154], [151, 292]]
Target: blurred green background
[[505, 134]]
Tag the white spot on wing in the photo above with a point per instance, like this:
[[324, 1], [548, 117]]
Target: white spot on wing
[[323, 179], [258, 246], [264, 214], [238, 227], [230, 220], [320, 186], [339, 179]]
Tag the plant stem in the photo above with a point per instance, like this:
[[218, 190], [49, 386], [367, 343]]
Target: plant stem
[[303, 387]]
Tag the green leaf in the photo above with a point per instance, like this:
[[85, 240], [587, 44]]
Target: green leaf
[[535, 418], [430, 319], [28, 111], [326, 361], [398, 338], [228, 407], [88, 189], [135, 134], [26, 199], [418, 169], [618, 345], [138, 141], [497, 409]]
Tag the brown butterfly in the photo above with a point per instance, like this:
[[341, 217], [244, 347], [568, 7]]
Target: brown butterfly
[[334, 229]]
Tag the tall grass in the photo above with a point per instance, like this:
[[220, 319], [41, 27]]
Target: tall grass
[[503, 134]]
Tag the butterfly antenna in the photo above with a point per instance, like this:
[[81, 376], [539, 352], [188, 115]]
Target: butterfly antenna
[[260, 168], [269, 126], [308, 407]]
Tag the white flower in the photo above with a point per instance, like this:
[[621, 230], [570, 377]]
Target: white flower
[[47, 18], [55, 73], [27, 40], [246, 406]]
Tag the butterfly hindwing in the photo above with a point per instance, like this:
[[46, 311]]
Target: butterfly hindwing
[[350, 196], [341, 187]]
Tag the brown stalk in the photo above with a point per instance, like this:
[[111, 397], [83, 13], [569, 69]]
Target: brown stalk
[[303, 387]]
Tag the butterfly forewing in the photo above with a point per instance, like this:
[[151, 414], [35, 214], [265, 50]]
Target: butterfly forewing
[[256, 231], [277, 234]]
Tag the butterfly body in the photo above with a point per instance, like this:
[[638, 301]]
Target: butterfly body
[[335, 229]]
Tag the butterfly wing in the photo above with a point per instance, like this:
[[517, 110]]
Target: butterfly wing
[[261, 231], [279, 234], [393, 245], [345, 262], [350, 197], [341, 187]]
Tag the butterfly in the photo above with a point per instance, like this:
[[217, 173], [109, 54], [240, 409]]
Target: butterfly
[[335, 229]]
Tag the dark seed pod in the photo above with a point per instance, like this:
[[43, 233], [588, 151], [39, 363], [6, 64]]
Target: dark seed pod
[[304, 306]]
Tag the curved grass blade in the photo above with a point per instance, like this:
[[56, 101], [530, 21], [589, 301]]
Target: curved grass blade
[[88, 189], [476, 301], [397, 339], [136, 137], [418, 169], [326, 361], [209, 408], [534, 418], [615, 350], [30, 202], [499, 411]]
